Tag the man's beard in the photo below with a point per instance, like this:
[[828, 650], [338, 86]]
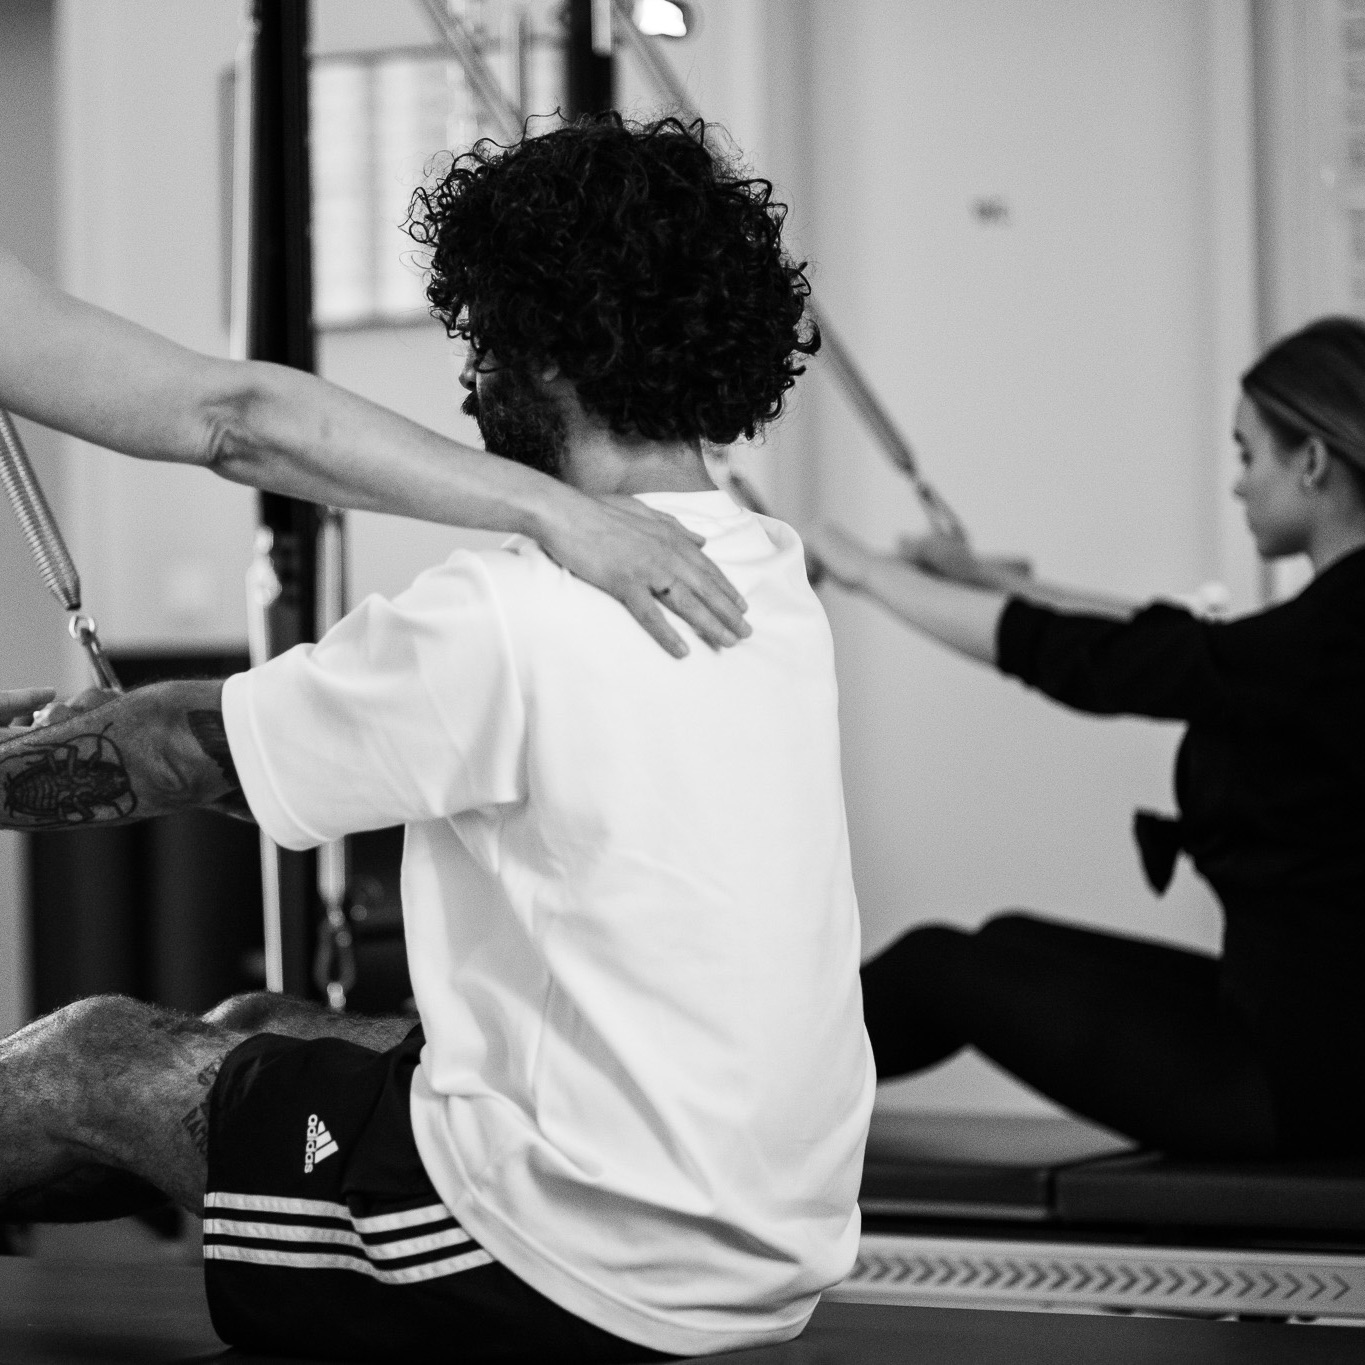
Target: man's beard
[[518, 421]]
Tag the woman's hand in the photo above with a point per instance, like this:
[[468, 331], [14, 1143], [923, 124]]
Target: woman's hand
[[959, 615], [953, 558], [643, 557], [948, 557]]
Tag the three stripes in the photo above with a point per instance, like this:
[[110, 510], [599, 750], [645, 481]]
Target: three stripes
[[315, 1234]]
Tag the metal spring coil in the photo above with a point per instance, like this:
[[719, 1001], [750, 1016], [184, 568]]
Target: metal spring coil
[[35, 518]]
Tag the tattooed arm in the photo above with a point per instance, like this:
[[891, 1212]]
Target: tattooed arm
[[135, 755]]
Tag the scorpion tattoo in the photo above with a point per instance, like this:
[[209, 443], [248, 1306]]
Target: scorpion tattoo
[[74, 783]]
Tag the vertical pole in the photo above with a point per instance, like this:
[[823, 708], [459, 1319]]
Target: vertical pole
[[280, 329], [591, 83]]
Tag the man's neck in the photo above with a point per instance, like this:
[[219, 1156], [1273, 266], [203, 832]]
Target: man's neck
[[598, 461]]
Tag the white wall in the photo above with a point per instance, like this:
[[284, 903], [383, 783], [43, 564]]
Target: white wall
[[162, 551], [1067, 377]]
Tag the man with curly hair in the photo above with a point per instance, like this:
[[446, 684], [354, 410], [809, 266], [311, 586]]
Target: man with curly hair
[[630, 1121]]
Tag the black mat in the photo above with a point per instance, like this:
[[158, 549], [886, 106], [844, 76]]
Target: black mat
[[1148, 1190], [53, 1314], [983, 1166]]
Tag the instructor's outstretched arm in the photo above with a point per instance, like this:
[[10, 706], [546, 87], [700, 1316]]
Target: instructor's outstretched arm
[[938, 586], [952, 559], [963, 618], [92, 374], [129, 757]]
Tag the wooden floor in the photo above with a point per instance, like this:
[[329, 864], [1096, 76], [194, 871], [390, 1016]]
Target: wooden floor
[[60, 1314]]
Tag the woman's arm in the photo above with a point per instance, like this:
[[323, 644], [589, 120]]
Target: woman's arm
[[952, 559], [1159, 662], [87, 372], [965, 618]]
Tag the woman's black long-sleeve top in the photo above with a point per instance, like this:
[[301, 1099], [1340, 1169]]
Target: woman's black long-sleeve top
[[1270, 784]]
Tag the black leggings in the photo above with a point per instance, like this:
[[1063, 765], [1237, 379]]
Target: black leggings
[[1130, 1034]]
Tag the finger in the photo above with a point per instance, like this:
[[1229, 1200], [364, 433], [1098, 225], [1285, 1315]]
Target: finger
[[645, 610], [23, 702], [689, 554], [1022, 568], [636, 508], [682, 601], [717, 600], [694, 536], [695, 568], [699, 562], [52, 714], [91, 698], [703, 576]]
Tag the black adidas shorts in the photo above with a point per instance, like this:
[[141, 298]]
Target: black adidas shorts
[[323, 1236]]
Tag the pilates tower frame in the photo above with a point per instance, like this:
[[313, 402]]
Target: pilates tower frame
[[273, 320]]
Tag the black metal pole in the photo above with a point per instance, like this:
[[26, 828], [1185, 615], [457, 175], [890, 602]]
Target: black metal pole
[[280, 328], [591, 83]]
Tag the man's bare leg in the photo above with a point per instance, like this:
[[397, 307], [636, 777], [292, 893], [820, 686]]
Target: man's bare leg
[[89, 1194], [58, 1172], [267, 1012], [108, 1083]]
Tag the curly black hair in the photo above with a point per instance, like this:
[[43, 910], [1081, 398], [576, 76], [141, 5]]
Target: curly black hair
[[636, 259]]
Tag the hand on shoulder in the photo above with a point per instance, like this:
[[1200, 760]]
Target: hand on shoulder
[[644, 557]]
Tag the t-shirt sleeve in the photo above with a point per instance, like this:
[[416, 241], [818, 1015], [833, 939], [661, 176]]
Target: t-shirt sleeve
[[1162, 662], [406, 711]]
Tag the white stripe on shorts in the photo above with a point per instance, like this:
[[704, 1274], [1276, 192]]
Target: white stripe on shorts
[[323, 1260], [295, 1232], [322, 1208], [274, 1203], [411, 1218], [302, 1245]]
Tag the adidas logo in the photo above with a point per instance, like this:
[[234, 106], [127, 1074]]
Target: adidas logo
[[320, 1144]]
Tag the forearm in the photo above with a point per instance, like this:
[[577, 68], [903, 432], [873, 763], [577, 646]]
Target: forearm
[[92, 374], [147, 753], [1015, 584], [952, 559], [87, 372], [289, 432], [97, 376], [965, 619]]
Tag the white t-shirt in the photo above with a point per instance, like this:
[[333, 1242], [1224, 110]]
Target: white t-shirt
[[630, 920]]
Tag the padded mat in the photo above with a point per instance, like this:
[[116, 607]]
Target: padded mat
[[1150, 1190], [53, 1314], [983, 1166]]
